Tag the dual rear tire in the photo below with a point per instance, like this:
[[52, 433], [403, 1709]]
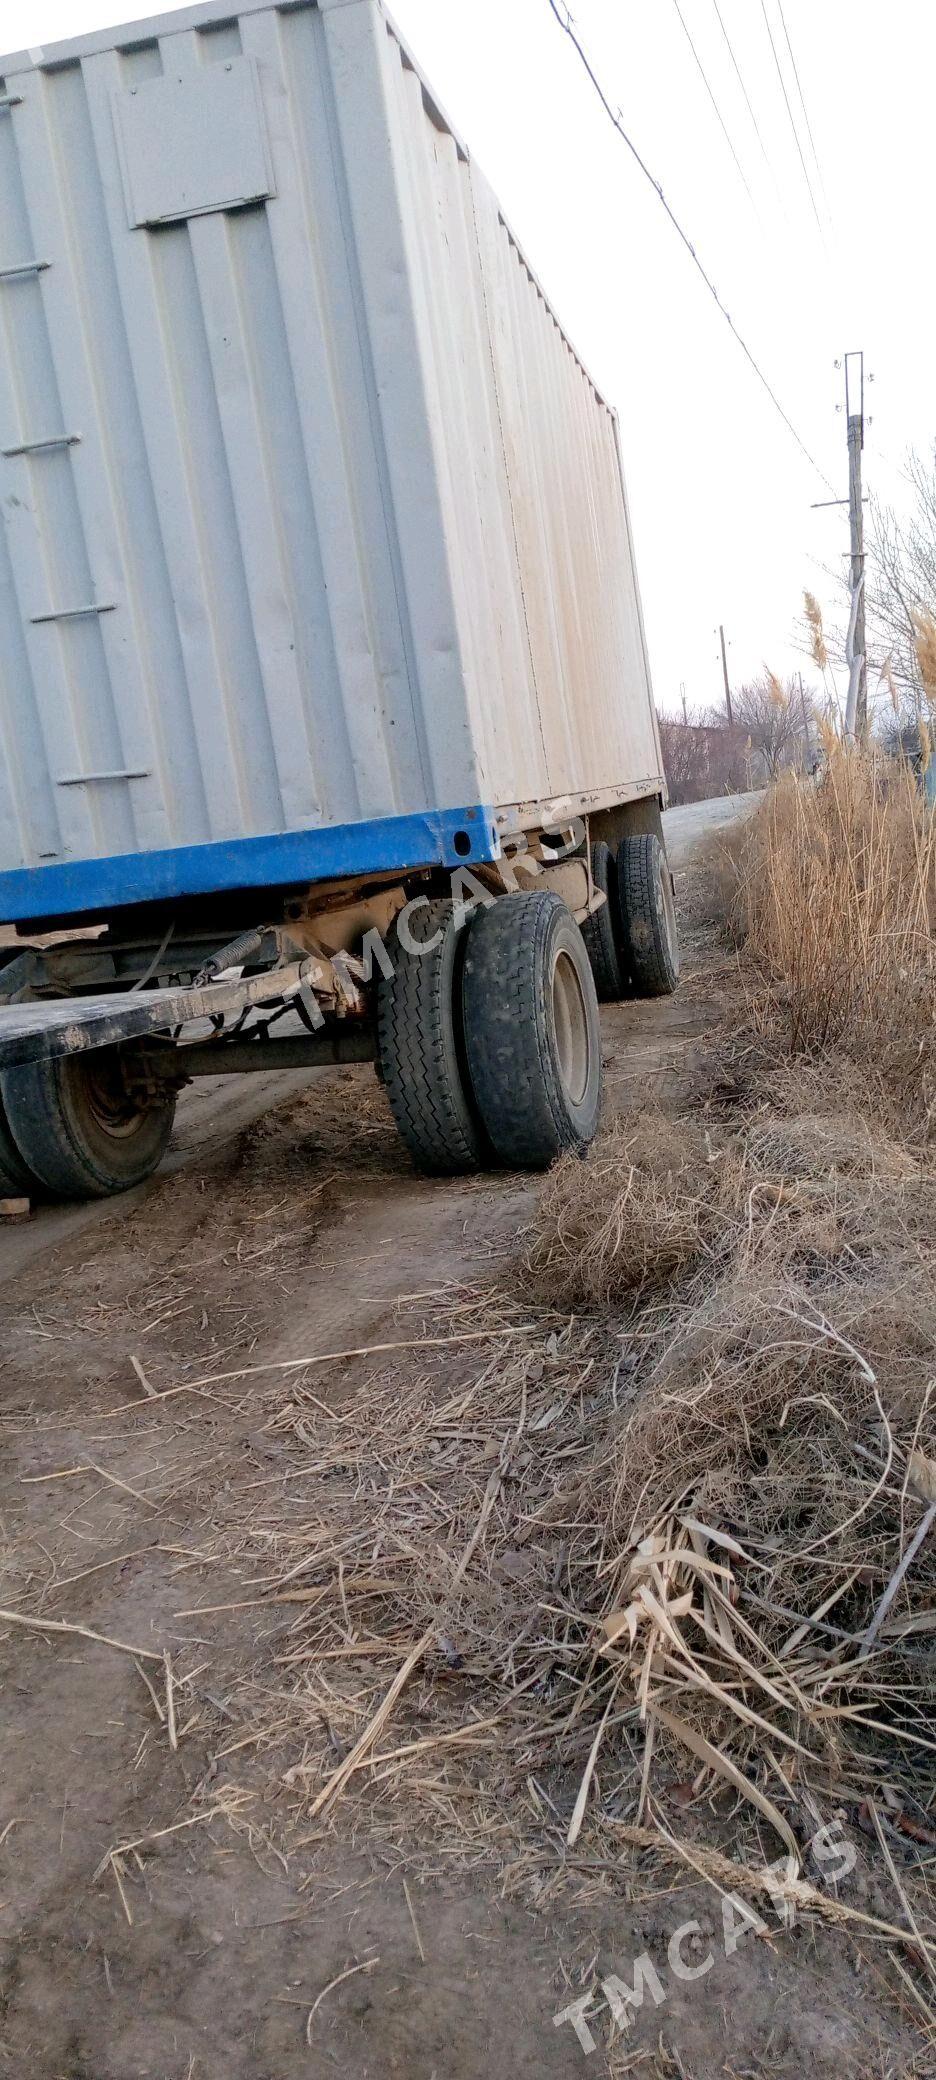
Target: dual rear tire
[[631, 939], [488, 1035]]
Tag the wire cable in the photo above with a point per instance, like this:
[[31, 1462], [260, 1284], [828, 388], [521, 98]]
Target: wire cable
[[802, 100], [566, 24], [744, 91], [789, 111], [708, 88]]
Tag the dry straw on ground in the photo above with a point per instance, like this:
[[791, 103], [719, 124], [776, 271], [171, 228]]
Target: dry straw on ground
[[656, 1552], [662, 1557], [666, 1552]]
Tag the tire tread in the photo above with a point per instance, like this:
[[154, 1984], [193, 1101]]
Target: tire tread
[[418, 1018], [16, 1178], [647, 955], [506, 1024]]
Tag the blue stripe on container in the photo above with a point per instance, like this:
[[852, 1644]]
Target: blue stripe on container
[[381, 844]]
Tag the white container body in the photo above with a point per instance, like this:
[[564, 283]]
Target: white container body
[[315, 555]]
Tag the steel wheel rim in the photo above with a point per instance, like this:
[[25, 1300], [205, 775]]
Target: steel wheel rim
[[570, 1023], [108, 1103]]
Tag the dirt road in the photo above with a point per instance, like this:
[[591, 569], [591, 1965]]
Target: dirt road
[[687, 827], [217, 1110], [171, 1903]]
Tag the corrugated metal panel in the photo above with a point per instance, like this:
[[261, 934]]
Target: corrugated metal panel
[[530, 472], [312, 518]]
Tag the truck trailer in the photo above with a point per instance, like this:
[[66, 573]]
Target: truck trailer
[[326, 724]]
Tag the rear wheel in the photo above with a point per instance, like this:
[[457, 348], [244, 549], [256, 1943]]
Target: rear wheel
[[16, 1179], [648, 940], [420, 1041], [598, 930], [79, 1127], [531, 1029]]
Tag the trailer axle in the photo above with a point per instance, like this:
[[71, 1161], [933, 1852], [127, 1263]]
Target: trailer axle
[[225, 1057]]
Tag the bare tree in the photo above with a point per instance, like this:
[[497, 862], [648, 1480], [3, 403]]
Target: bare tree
[[705, 757], [901, 582], [678, 744], [900, 596], [776, 718]]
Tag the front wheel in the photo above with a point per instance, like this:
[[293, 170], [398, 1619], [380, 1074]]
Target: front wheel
[[79, 1127], [532, 1033]]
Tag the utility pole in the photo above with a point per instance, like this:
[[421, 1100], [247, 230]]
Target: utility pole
[[856, 707], [724, 666]]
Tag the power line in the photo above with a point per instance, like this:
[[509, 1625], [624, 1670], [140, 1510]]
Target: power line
[[744, 91], [566, 24], [802, 99], [705, 81], [789, 111]]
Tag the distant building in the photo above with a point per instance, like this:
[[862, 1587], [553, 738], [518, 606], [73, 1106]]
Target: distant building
[[703, 759]]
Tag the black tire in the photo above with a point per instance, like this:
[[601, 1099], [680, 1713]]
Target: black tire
[[648, 942], [598, 931], [420, 1041], [77, 1129], [531, 1029], [16, 1179]]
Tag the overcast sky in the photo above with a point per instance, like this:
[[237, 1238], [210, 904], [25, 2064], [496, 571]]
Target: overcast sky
[[720, 493]]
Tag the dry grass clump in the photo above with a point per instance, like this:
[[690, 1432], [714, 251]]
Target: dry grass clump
[[769, 1400], [835, 901], [817, 1146], [774, 1612], [845, 1198], [764, 1508], [644, 1209], [823, 1252]]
